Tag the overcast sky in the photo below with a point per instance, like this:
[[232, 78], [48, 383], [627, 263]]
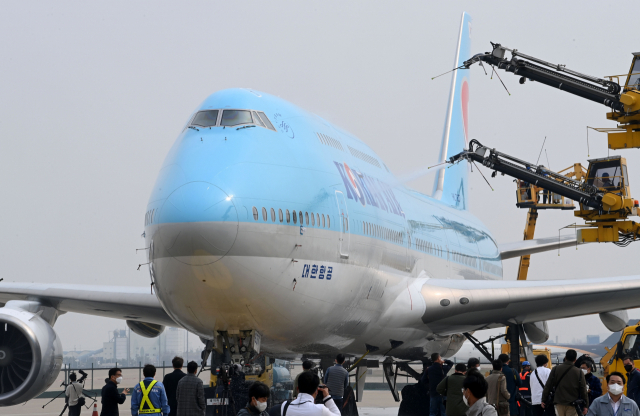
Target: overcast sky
[[92, 95]]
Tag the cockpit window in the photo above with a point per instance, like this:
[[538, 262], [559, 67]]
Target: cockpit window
[[208, 118], [266, 121], [257, 120], [235, 117]]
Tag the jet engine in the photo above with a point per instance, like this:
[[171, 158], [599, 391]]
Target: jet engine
[[537, 332], [145, 329], [30, 351]]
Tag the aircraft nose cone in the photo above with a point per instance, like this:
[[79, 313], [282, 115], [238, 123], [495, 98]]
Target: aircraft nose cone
[[198, 224]]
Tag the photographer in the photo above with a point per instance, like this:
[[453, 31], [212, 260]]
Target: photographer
[[566, 385], [614, 402], [75, 398], [303, 405]]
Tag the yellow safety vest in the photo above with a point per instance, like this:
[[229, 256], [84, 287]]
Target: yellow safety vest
[[145, 399]]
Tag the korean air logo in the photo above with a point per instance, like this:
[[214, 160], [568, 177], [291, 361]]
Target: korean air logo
[[352, 179]]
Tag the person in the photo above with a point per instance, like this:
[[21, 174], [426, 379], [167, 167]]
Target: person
[[606, 181], [570, 385], [474, 363], [337, 379], [110, 396], [633, 388], [190, 394], [436, 373], [170, 382], [74, 392], [308, 390], [594, 387], [149, 396], [525, 389], [451, 388], [497, 393], [539, 378], [474, 390], [513, 382], [306, 366], [614, 403], [257, 399]]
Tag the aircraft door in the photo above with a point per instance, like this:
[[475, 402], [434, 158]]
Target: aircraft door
[[343, 220]]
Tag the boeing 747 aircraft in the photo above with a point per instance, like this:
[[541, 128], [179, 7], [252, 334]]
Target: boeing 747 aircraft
[[270, 229]]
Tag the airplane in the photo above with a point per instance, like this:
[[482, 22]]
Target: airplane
[[270, 230]]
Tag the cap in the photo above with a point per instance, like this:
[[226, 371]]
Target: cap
[[526, 363]]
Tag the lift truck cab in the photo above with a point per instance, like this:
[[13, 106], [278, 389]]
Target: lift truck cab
[[629, 344]]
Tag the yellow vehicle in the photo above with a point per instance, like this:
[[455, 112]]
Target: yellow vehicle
[[629, 344]]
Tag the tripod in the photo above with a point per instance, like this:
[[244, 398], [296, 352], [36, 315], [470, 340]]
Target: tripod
[[86, 394]]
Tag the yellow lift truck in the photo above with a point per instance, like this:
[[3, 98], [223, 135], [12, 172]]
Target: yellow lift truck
[[601, 190], [629, 344]]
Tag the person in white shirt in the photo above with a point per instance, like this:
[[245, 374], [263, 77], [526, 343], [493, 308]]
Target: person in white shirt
[[304, 405], [614, 402], [74, 392], [539, 378]]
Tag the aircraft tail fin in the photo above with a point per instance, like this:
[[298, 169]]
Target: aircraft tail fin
[[451, 186]]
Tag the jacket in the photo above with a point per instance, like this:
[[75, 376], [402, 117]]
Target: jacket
[[111, 399], [482, 408], [525, 384], [513, 382], [190, 397], [492, 391], [157, 395], [337, 379], [572, 386], [436, 373], [595, 387], [633, 385], [304, 405], [602, 407], [170, 382], [451, 388], [251, 411]]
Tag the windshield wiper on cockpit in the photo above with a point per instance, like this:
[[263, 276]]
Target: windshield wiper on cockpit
[[195, 128], [246, 127]]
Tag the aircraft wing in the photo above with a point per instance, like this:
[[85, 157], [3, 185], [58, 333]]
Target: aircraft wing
[[536, 245], [129, 303], [481, 304]]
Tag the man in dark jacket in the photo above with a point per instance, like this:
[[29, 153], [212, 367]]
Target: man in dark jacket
[[451, 388], [190, 394], [570, 386], [633, 377], [594, 386], [513, 383], [170, 383], [435, 374], [110, 396]]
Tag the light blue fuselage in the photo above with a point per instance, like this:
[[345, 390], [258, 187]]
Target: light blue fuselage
[[319, 287]]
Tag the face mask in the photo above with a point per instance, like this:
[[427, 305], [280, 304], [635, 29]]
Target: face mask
[[584, 371], [464, 399], [479, 367], [615, 389], [119, 380], [628, 367], [261, 406]]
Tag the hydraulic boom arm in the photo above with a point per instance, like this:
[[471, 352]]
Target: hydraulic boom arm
[[555, 75]]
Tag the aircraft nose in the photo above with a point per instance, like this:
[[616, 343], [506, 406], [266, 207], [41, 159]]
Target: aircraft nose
[[198, 224]]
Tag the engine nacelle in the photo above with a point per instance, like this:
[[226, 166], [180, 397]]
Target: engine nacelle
[[145, 329], [30, 352], [537, 332]]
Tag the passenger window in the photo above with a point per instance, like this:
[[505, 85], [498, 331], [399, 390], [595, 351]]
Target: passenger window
[[280, 215], [255, 213], [328, 222], [264, 213], [301, 217], [257, 120], [306, 218], [323, 222], [318, 219], [207, 118], [313, 219], [289, 217], [266, 121], [295, 217], [235, 117], [273, 215]]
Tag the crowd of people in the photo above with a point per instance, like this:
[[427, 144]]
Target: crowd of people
[[568, 389]]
